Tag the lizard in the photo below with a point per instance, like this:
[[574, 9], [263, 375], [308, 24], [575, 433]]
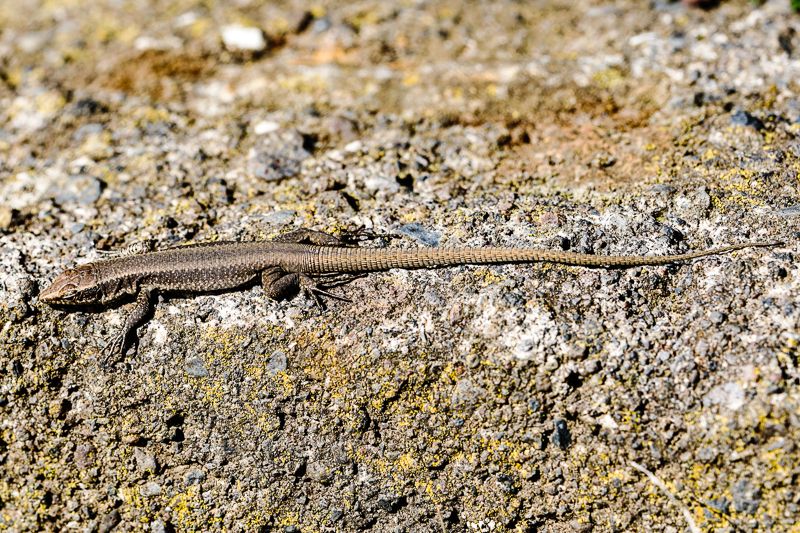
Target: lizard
[[307, 260]]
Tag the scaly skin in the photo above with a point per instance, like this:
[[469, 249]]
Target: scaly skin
[[291, 262]]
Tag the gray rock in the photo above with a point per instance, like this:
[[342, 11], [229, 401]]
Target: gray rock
[[466, 392], [561, 435], [663, 188], [391, 503], [86, 130], [721, 505], [419, 233], [278, 156], [728, 395], [80, 189], [109, 522], [320, 472], [150, 489], [85, 455], [195, 367], [194, 476], [716, 317], [791, 211], [746, 497], [707, 454], [279, 217], [145, 462], [277, 363], [743, 118], [701, 198]]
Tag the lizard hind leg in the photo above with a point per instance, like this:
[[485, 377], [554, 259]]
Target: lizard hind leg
[[362, 234], [309, 236], [279, 284], [320, 238]]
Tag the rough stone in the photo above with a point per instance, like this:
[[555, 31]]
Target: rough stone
[[479, 397]]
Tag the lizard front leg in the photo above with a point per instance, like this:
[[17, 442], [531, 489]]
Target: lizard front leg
[[139, 309]]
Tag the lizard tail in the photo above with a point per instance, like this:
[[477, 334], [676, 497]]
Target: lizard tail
[[375, 259]]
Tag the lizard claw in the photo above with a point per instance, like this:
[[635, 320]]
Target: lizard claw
[[314, 291], [115, 350], [311, 293], [322, 292], [338, 279]]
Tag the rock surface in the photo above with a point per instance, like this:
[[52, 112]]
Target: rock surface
[[507, 398]]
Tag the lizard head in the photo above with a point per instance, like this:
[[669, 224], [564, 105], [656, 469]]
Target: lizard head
[[76, 286]]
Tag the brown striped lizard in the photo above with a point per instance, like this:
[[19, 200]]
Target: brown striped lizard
[[305, 260]]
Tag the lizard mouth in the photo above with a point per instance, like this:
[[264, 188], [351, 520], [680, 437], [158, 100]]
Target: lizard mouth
[[48, 295]]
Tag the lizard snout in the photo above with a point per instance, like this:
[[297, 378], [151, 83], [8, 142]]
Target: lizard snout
[[74, 286]]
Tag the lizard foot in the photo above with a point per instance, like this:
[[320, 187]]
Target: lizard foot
[[337, 279], [311, 289], [114, 351], [362, 234], [308, 236], [138, 247]]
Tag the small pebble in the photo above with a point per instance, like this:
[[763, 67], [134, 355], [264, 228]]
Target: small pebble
[[743, 118], [196, 368], [353, 146], [194, 476], [561, 436], [277, 363], [80, 189], [663, 188], [150, 489], [145, 462], [109, 522], [791, 211], [243, 38], [266, 126], [390, 504], [419, 233], [6, 217], [746, 497]]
